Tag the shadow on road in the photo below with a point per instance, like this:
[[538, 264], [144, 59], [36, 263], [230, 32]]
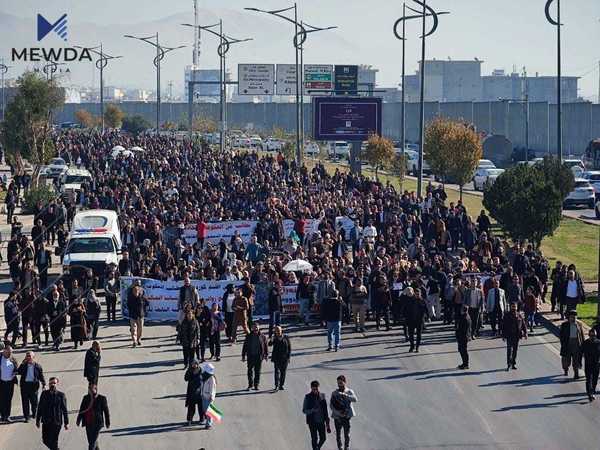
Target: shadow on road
[[574, 401], [148, 429], [525, 382]]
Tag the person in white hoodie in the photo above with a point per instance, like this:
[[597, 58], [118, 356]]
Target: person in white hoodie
[[209, 392], [342, 411]]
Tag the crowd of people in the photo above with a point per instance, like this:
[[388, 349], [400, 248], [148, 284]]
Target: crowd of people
[[399, 259]]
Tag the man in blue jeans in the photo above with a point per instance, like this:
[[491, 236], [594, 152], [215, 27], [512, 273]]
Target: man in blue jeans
[[332, 312]]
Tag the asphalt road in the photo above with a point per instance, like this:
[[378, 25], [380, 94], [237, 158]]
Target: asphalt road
[[406, 400]]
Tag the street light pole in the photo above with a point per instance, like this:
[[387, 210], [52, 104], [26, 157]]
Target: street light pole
[[557, 23], [161, 51], [3, 70]]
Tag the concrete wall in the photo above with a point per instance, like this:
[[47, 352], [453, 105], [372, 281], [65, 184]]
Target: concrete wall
[[581, 121]]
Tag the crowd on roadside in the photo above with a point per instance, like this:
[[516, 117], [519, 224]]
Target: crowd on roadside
[[399, 259]]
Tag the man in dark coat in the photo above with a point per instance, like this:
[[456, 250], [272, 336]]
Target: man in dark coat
[[136, 305], [463, 335], [591, 353], [514, 329], [571, 341], [32, 375], [275, 306], [282, 349], [91, 369], [314, 408], [255, 348], [414, 312], [93, 415], [52, 413], [11, 317], [332, 310]]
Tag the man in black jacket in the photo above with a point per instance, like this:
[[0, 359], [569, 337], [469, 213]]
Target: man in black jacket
[[52, 412], [314, 408], [255, 348], [591, 353], [93, 415], [275, 295], [463, 334], [32, 375], [513, 329], [414, 311], [91, 368], [282, 349], [332, 310], [136, 305]]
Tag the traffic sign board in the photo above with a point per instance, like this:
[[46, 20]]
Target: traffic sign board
[[256, 79], [286, 79], [346, 80], [318, 76]]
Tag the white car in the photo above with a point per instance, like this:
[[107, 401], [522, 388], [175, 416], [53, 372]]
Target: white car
[[593, 176], [412, 162], [339, 149], [312, 148], [273, 145], [576, 166], [256, 141], [56, 168], [485, 177], [485, 164], [582, 194]]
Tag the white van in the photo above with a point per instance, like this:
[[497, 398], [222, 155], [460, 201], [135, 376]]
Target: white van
[[339, 149], [94, 242], [72, 179]]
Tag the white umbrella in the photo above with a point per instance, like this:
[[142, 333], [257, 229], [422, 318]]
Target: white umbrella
[[136, 149], [298, 265], [118, 148]]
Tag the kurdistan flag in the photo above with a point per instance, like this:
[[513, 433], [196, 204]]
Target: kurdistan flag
[[214, 413]]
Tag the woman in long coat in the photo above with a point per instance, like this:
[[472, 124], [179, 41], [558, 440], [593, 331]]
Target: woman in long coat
[[78, 325]]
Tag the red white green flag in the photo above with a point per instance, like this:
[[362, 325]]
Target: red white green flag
[[214, 413]]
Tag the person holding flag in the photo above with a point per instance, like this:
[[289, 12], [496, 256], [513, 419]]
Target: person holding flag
[[209, 392]]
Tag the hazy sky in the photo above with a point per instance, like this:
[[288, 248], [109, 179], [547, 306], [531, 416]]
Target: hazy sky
[[503, 33]]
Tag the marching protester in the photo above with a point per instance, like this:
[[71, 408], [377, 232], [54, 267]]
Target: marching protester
[[314, 408], [332, 311], [571, 342], [217, 325], [189, 335], [463, 336], [52, 413], [32, 375], [92, 313], [111, 293], [514, 329], [193, 396], [591, 355], [241, 307], [93, 415], [91, 369], [209, 393], [136, 306], [342, 411], [8, 379], [255, 349], [280, 356], [496, 306]]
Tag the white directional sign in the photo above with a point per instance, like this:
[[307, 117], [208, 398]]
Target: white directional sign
[[286, 79], [256, 79]]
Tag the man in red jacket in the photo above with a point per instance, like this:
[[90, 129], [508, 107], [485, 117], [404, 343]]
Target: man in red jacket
[[201, 229]]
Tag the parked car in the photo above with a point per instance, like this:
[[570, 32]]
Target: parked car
[[256, 141], [339, 149], [593, 176], [272, 145], [485, 164], [412, 163], [576, 166], [485, 177], [582, 194], [312, 148], [56, 168]]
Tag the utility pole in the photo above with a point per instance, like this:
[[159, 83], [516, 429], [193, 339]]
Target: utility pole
[[526, 103]]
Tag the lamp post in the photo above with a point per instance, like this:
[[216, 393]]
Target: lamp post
[[557, 24], [224, 44], [161, 51], [402, 37], [101, 63], [299, 40], [3, 70], [298, 29], [50, 69]]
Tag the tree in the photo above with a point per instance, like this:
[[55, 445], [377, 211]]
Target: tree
[[435, 149], [379, 153], [113, 116], [527, 200], [26, 129], [204, 125], [135, 124], [464, 151], [86, 119], [289, 151], [169, 126], [399, 167]]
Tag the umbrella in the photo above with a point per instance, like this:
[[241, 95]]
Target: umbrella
[[118, 148], [298, 265], [136, 149]]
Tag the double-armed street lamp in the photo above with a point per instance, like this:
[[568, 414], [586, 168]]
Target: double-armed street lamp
[[558, 74], [161, 51], [3, 71], [101, 63]]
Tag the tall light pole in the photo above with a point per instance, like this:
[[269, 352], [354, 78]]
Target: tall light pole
[[3, 70], [101, 63], [224, 44], [299, 40], [557, 24], [161, 51], [402, 37], [298, 29]]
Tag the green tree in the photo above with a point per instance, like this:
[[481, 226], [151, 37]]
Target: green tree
[[289, 151], [379, 153], [435, 149], [135, 124], [399, 167], [25, 131], [527, 200], [113, 116], [204, 125]]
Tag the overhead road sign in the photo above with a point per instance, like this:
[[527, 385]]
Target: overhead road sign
[[318, 77], [286, 79], [346, 80]]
